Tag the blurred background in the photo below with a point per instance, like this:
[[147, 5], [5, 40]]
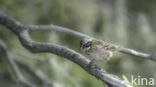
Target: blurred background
[[127, 23]]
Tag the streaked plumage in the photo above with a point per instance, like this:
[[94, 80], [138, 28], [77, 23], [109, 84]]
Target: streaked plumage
[[98, 50]]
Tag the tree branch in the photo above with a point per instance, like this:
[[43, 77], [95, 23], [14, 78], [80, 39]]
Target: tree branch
[[23, 34], [128, 51], [138, 54], [33, 28], [37, 73], [13, 63], [19, 78]]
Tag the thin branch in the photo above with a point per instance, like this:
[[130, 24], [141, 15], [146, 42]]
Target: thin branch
[[128, 51], [19, 78], [31, 69], [37, 73], [138, 54], [33, 28], [23, 34]]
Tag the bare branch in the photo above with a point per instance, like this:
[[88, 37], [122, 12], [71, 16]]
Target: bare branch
[[68, 31], [19, 78], [128, 51], [138, 54], [37, 73], [16, 71], [23, 34]]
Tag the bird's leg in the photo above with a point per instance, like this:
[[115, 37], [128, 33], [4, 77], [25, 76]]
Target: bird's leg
[[91, 62]]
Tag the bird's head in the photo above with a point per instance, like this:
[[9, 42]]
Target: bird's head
[[85, 44]]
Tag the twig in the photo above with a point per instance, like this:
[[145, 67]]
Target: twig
[[31, 69], [23, 34], [138, 54], [19, 78], [37, 73], [33, 28]]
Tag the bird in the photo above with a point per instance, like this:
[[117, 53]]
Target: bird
[[97, 49]]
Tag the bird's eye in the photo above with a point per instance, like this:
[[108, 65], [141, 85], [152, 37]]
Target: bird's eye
[[88, 44]]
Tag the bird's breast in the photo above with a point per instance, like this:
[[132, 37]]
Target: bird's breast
[[96, 55], [101, 54]]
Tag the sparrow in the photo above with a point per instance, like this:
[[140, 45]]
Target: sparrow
[[97, 49]]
